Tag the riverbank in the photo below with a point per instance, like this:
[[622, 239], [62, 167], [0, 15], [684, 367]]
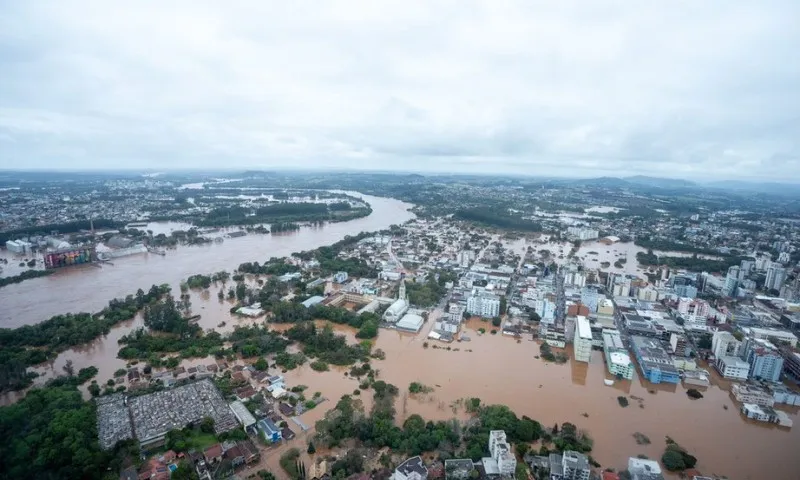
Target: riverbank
[[88, 288], [502, 370]]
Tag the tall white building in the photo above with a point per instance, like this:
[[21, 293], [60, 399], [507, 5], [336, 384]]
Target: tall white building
[[617, 358], [581, 233], [399, 308], [724, 344], [501, 452], [731, 280], [694, 311], [775, 277], [575, 278], [648, 294], [483, 304], [583, 340], [575, 466]]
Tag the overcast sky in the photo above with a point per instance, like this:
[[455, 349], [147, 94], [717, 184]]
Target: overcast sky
[[689, 89]]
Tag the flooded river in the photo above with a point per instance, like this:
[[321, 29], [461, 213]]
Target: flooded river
[[89, 288], [494, 368]]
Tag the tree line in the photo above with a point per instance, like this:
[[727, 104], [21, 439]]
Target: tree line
[[32, 344]]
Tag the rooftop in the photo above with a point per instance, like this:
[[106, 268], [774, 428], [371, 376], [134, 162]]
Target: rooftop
[[242, 413], [413, 464], [584, 330]]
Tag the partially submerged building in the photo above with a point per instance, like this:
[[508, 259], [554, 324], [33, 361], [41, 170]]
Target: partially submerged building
[[654, 361]]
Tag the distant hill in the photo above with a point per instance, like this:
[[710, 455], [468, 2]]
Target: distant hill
[[660, 182], [775, 188], [638, 180]]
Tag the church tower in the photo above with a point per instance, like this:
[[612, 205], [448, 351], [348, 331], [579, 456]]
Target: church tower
[[401, 293]]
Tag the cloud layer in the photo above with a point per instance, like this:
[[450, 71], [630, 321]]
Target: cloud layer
[[684, 89]]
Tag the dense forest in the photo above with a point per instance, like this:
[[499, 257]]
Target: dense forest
[[692, 263], [495, 218], [671, 246], [51, 434], [282, 213]]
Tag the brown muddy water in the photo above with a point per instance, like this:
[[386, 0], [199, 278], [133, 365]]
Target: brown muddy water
[[495, 368], [89, 288], [503, 370]]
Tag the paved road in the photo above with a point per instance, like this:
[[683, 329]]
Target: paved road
[[393, 257]]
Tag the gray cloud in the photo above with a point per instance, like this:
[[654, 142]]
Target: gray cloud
[[689, 89]]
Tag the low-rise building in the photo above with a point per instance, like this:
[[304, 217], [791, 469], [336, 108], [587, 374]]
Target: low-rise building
[[654, 361], [732, 368], [411, 469], [766, 414], [744, 393], [644, 469]]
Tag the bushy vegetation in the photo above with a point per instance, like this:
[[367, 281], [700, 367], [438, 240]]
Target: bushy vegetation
[[164, 316], [325, 345], [692, 263], [26, 275], [676, 458], [494, 218], [32, 344], [51, 433], [198, 281], [416, 387], [547, 354], [274, 266], [429, 292], [694, 393], [671, 246]]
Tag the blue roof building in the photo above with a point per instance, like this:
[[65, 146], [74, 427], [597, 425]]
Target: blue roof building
[[654, 362], [272, 433]]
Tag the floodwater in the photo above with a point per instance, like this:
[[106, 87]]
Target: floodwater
[[494, 368], [89, 288], [502, 370]]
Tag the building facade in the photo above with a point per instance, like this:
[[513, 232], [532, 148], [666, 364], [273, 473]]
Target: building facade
[[654, 361], [618, 361], [776, 275], [583, 340], [766, 362], [500, 451], [483, 304], [732, 368]]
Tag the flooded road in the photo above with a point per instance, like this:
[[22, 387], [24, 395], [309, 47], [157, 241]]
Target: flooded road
[[494, 368], [89, 288], [500, 369]]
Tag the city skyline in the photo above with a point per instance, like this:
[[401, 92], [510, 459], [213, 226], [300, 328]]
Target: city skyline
[[697, 91]]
